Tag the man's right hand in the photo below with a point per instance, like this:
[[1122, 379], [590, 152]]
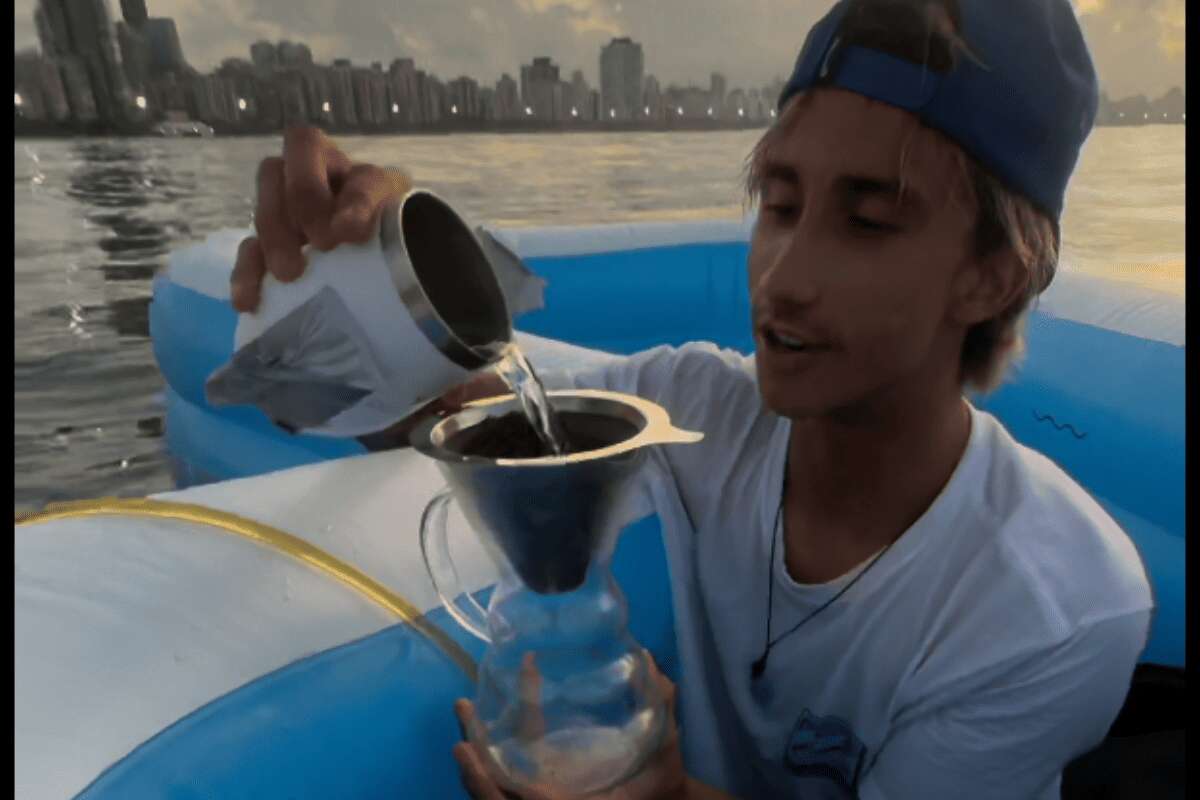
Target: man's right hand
[[315, 194], [312, 194]]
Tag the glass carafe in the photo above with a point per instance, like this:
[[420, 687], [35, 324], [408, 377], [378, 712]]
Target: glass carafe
[[565, 697]]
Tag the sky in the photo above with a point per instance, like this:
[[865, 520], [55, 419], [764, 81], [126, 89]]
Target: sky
[[1138, 45]]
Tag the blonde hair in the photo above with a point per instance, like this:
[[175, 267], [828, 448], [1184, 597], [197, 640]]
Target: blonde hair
[[1004, 218]]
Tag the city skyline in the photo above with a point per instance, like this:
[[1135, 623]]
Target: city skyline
[[128, 74], [1138, 47]]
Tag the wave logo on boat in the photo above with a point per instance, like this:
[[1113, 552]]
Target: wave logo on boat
[[824, 747]]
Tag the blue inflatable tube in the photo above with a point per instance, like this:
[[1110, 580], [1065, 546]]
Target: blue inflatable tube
[[230, 650], [360, 720], [1101, 391]]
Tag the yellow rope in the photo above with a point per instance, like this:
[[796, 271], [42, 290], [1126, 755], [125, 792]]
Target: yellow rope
[[270, 537]]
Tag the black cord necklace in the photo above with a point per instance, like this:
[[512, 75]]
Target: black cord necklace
[[760, 665]]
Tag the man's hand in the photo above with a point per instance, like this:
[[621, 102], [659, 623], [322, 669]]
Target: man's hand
[[662, 777], [312, 194]]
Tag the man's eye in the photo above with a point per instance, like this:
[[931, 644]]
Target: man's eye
[[875, 226], [780, 209]]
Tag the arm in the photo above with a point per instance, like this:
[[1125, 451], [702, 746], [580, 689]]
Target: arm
[[652, 374], [1011, 737]]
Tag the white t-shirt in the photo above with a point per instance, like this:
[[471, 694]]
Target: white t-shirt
[[991, 644]]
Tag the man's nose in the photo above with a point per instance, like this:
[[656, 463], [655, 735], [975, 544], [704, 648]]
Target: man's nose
[[790, 273]]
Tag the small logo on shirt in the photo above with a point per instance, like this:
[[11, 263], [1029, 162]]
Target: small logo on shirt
[[824, 747]]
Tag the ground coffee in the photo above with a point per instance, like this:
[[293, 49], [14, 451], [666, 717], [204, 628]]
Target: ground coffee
[[511, 436]]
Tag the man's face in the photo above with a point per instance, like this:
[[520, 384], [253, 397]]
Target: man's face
[[850, 280]]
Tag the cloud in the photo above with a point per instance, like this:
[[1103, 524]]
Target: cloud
[[1170, 15], [1089, 6], [585, 16], [1137, 45]]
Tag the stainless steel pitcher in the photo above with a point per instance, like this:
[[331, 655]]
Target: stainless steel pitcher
[[371, 332]]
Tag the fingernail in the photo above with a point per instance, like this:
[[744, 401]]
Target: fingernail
[[242, 297], [347, 215], [237, 295], [354, 208], [352, 219], [284, 267]]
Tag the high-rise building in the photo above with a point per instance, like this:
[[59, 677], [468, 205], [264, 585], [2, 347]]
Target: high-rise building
[[50, 19], [134, 12], [82, 28], [580, 92], [432, 97], [716, 93], [757, 105], [171, 95], [166, 52], [39, 84], [264, 55], [247, 95], [360, 79], [370, 96], [257, 97], [621, 69], [487, 103], [135, 55], [342, 88], [652, 102], [405, 93], [293, 102], [463, 95], [78, 87], [508, 102], [318, 93], [687, 103], [1171, 106], [213, 99], [294, 54], [735, 105], [542, 91]]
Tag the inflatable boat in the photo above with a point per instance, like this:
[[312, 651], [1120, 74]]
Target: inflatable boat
[[268, 630]]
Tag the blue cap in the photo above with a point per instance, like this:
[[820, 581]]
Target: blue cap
[[1023, 110]]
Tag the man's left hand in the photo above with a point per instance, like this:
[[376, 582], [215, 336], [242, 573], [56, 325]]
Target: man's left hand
[[661, 778]]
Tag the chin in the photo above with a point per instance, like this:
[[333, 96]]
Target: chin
[[794, 399]]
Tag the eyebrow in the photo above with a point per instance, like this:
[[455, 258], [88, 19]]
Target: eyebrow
[[859, 187], [854, 188], [774, 170]]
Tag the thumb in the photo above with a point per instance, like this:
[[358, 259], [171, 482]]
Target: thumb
[[665, 686], [485, 384]]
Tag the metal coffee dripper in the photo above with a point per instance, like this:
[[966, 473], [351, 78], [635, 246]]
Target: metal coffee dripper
[[584, 714]]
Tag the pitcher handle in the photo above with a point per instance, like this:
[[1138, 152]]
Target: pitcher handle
[[435, 550]]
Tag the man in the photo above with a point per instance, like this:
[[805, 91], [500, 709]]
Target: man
[[878, 592]]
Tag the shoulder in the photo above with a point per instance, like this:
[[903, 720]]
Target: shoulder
[[1069, 554], [697, 380], [1033, 577], [706, 359], [715, 385], [714, 391]]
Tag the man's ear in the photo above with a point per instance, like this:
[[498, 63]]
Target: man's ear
[[985, 287]]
